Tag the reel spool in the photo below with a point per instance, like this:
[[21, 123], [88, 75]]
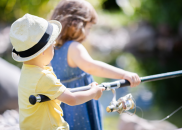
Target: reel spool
[[123, 104]]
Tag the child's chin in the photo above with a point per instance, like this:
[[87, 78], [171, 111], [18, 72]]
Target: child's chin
[[48, 62]]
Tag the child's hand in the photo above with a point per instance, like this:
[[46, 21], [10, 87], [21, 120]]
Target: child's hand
[[97, 90], [133, 78]]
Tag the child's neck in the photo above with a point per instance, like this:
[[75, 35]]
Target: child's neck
[[34, 62]]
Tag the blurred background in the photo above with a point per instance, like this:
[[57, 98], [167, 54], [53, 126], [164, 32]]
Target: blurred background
[[142, 36]]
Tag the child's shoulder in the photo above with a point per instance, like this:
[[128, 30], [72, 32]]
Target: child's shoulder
[[31, 71], [76, 47], [36, 72], [47, 70], [76, 44], [48, 76], [71, 43], [48, 81]]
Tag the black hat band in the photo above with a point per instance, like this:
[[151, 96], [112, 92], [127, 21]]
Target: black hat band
[[43, 41]]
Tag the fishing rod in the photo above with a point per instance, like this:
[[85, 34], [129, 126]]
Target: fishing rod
[[123, 103]]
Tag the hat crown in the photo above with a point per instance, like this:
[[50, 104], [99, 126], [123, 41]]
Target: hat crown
[[27, 31]]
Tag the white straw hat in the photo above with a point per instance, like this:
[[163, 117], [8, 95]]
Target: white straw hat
[[31, 35]]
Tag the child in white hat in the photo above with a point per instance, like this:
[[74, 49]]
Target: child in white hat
[[33, 40]]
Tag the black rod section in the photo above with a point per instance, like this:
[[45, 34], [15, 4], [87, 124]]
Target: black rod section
[[161, 76], [117, 84]]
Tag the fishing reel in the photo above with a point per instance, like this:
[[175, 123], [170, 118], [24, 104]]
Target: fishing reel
[[122, 105]]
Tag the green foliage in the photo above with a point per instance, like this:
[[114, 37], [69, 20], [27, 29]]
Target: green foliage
[[110, 5], [13, 9], [161, 11], [154, 11], [97, 4], [111, 122]]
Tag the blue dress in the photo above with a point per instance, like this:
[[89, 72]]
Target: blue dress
[[81, 117]]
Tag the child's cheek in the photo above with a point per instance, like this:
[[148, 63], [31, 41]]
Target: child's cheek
[[53, 51]]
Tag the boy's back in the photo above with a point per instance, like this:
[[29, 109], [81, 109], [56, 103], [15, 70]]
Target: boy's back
[[35, 80], [33, 40]]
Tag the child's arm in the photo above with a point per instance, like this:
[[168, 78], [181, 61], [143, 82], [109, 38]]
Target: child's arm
[[81, 97], [79, 57]]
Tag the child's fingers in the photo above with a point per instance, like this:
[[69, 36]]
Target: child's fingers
[[132, 81], [102, 88], [136, 81], [133, 78], [94, 83]]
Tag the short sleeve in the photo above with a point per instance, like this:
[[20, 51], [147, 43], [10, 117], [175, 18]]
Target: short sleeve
[[50, 86]]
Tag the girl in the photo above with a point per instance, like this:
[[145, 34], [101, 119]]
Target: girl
[[74, 66]]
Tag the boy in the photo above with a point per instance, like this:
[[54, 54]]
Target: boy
[[33, 39]]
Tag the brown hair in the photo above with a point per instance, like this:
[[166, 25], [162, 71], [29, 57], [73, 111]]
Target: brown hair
[[73, 15]]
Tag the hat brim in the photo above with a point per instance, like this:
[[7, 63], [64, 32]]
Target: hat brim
[[56, 31]]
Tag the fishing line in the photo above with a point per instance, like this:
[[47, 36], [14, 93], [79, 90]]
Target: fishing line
[[138, 108], [141, 111], [135, 105], [169, 115], [156, 122]]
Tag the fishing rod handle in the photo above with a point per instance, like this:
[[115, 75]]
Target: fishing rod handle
[[108, 86], [39, 98]]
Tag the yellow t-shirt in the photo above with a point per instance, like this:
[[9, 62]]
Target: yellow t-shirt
[[41, 116]]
